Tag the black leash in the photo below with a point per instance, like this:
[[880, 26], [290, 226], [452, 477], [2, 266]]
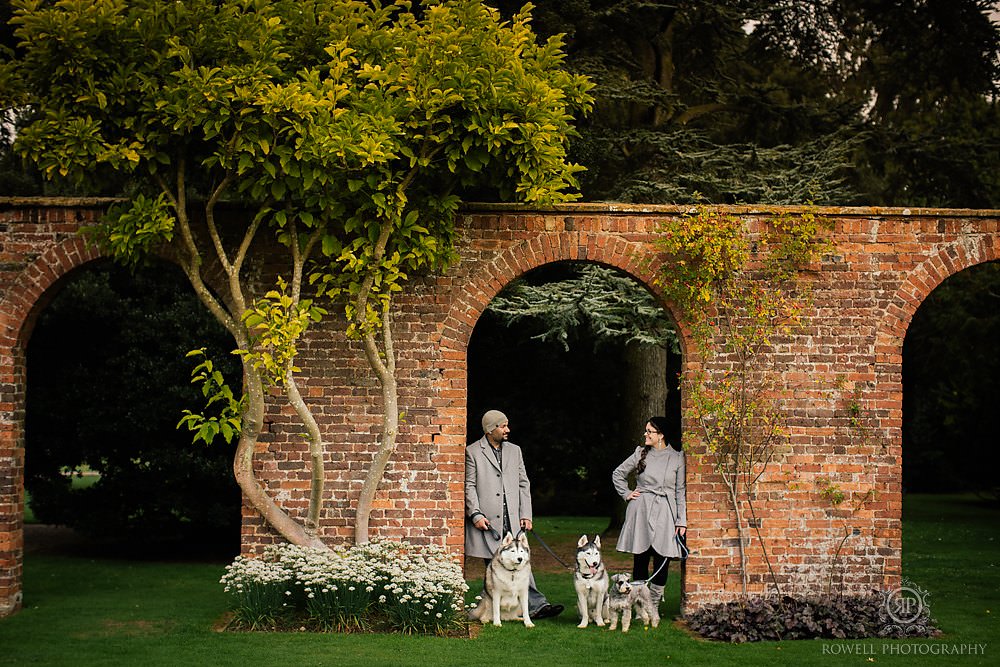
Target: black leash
[[682, 543], [551, 553], [538, 537]]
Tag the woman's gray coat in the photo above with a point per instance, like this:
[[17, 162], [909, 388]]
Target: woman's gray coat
[[651, 518], [484, 489]]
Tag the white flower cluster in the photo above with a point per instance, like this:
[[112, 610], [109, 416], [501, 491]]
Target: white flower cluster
[[418, 587], [425, 588], [245, 572], [257, 587], [315, 569]]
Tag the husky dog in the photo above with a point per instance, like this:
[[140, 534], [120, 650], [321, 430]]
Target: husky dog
[[505, 595], [591, 582], [626, 595]]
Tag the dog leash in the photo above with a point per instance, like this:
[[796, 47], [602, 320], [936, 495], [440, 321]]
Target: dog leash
[[665, 563], [538, 537], [546, 547], [559, 560]]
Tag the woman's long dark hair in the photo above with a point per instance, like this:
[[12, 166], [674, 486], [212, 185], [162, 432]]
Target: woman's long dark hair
[[660, 424]]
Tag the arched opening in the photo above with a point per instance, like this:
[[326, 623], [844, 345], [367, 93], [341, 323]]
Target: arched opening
[[107, 381], [951, 389], [578, 355]]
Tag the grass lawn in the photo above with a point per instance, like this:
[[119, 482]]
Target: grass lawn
[[87, 611]]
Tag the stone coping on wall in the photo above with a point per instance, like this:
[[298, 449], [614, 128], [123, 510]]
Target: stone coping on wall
[[57, 202], [599, 208], [616, 208]]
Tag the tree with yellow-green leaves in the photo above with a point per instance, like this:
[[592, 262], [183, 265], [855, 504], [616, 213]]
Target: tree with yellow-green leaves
[[344, 130]]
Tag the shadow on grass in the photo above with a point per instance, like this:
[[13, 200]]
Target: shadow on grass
[[44, 539]]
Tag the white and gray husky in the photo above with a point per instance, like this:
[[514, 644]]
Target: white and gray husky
[[591, 582], [507, 577], [626, 595]]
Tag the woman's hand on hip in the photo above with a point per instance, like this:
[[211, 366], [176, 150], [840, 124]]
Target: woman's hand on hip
[[635, 493]]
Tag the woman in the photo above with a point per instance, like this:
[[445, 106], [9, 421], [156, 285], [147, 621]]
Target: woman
[[656, 514]]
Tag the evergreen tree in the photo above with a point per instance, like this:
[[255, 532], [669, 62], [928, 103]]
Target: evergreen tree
[[695, 104]]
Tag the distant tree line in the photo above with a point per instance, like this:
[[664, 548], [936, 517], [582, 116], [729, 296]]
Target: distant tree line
[[786, 101]]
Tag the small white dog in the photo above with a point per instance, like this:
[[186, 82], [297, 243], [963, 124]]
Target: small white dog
[[507, 578], [625, 596], [591, 582]]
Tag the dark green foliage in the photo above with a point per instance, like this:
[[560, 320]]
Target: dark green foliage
[[565, 409], [778, 101], [575, 300], [831, 617], [692, 106], [774, 101], [107, 381], [933, 72], [951, 386]]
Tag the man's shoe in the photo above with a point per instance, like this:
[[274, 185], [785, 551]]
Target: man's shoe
[[546, 611]]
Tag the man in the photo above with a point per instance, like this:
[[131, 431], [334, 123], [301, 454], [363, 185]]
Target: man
[[498, 497]]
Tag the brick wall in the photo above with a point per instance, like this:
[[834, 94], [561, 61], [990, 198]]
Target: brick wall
[[840, 377]]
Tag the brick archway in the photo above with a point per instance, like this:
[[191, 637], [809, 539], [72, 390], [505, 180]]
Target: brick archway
[[472, 299], [924, 279], [19, 309]]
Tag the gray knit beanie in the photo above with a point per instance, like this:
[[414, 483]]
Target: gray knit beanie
[[492, 419]]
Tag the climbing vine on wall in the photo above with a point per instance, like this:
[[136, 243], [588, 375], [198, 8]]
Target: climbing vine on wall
[[741, 292]]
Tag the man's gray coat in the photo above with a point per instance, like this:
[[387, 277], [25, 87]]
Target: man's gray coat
[[485, 485]]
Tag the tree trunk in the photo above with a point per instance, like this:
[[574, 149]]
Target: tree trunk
[[315, 438], [646, 386], [646, 368], [385, 370], [253, 422]]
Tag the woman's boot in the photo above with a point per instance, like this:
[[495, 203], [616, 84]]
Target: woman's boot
[[656, 594]]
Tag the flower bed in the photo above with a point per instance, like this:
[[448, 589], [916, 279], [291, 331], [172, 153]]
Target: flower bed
[[831, 617], [382, 585]]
